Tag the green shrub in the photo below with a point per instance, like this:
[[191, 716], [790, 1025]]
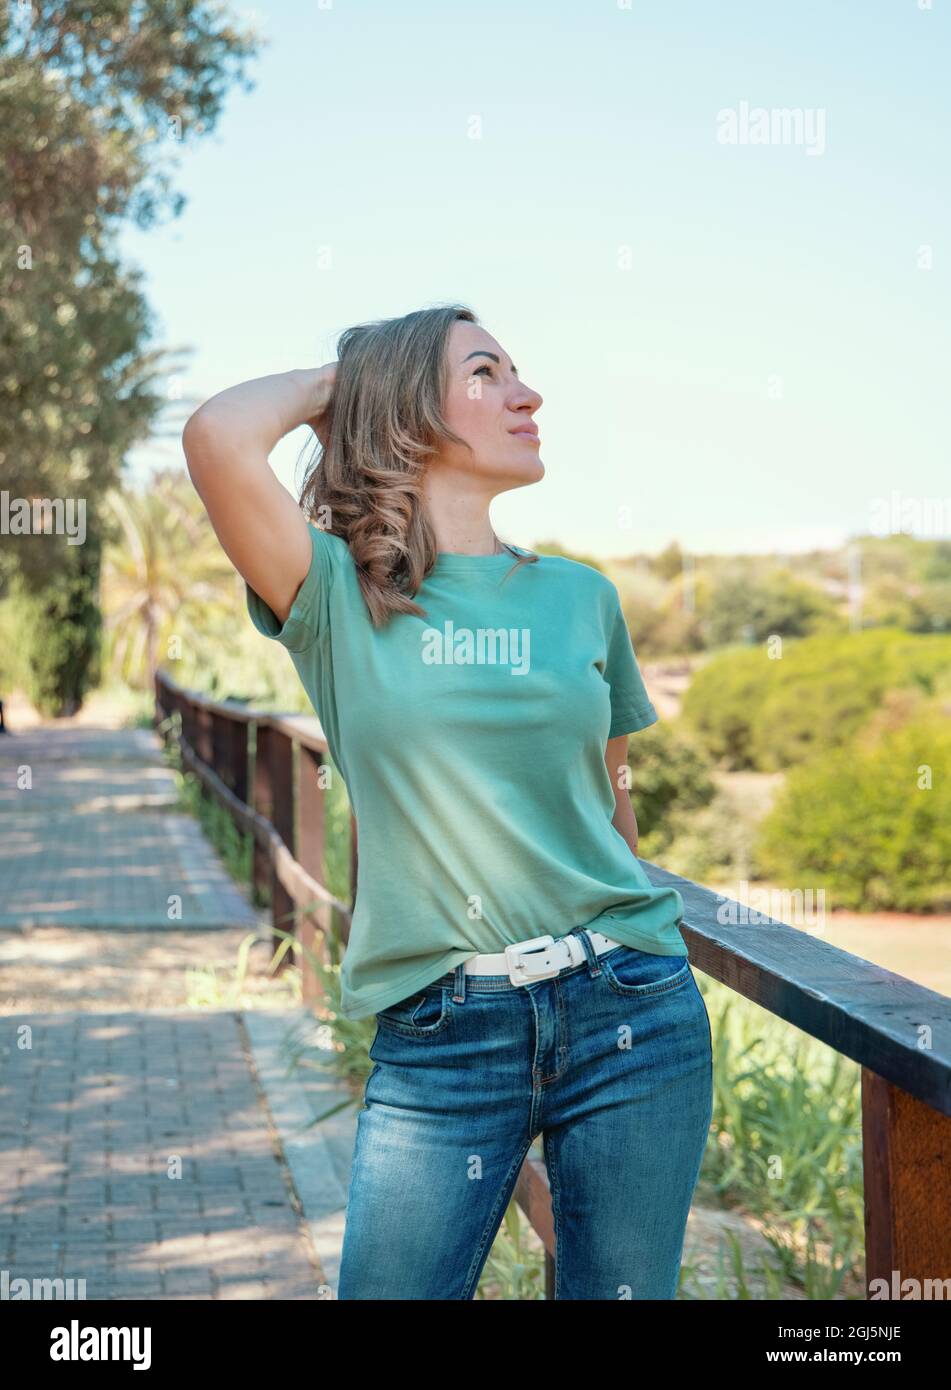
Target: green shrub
[[721, 701], [716, 842], [751, 710], [58, 633], [13, 627], [865, 821], [743, 607], [671, 778]]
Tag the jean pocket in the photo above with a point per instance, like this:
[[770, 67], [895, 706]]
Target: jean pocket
[[419, 1015], [633, 972]]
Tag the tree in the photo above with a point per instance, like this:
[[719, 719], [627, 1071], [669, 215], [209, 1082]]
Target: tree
[[94, 100], [870, 821], [743, 609], [165, 577], [670, 562], [59, 628]]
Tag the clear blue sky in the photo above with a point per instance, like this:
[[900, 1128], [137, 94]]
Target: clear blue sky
[[773, 360]]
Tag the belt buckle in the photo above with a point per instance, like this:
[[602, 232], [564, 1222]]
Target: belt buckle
[[522, 969]]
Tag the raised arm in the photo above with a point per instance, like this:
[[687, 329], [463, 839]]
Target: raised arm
[[227, 442]]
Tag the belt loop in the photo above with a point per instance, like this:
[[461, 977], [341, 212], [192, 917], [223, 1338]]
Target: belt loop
[[459, 984], [582, 934]]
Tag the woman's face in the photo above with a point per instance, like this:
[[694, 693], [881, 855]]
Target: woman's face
[[488, 407]]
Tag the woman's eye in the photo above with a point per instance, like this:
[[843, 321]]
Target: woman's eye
[[484, 368]]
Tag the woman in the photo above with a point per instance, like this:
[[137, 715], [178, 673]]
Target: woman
[[525, 976]]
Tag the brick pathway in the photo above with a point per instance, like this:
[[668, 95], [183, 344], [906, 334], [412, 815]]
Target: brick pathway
[[89, 839], [143, 1151], [137, 1154]]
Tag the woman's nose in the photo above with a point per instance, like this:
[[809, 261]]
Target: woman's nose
[[528, 397]]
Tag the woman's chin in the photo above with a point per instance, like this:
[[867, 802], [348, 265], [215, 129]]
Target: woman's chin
[[517, 473], [528, 465]]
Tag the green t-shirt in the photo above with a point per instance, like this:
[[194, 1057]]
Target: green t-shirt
[[472, 744]]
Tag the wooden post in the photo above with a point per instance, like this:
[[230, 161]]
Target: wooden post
[[284, 913], [184, 714], [906, 1157], [262, 802], [220, 748], [315, 924], [533, 1195], [204, 749], [238, 758]]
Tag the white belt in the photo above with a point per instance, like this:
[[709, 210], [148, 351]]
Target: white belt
[[539, 957]]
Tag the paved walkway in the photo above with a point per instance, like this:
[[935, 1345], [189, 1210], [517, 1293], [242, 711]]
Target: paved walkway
[[90, 839], [154, 1153]]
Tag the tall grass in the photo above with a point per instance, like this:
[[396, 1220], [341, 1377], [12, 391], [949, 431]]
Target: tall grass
[[785, 1147]]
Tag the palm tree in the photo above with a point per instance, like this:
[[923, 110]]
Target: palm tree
[[166, 580]]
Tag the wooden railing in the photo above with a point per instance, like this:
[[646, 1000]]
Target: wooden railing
[[897, 1031], [281, 805]]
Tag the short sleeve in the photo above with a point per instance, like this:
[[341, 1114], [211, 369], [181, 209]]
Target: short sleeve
[[631, 708], [309, 617]]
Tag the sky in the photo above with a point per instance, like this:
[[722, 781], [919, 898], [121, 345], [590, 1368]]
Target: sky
[[738, 320]]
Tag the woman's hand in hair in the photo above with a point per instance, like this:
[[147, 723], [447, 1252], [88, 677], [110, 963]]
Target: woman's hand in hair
[[324, 378]]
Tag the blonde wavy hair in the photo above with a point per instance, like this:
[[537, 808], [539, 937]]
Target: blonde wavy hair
[[382, 426]]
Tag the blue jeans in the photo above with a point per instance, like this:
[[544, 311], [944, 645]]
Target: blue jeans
[[610, 1060]]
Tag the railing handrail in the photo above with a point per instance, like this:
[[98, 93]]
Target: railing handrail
[[290, 880], [894, 1026], [303, 728], [868, 1013], [899, 1032]]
